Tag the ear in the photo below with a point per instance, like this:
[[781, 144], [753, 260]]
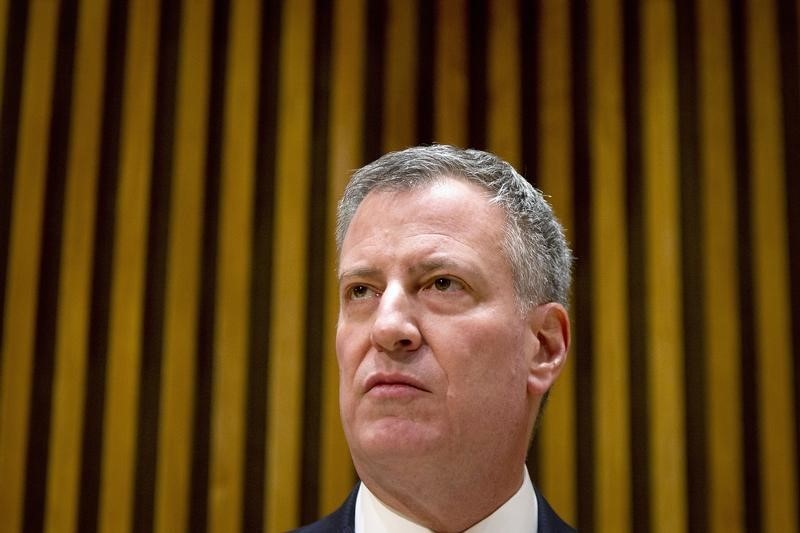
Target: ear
[[550, 325]]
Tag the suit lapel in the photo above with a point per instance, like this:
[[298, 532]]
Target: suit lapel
[[549, 521]]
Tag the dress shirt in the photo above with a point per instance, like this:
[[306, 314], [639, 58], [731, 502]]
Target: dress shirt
[[518, 514]]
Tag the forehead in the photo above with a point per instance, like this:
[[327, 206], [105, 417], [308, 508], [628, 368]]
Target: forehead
[[446, 215]]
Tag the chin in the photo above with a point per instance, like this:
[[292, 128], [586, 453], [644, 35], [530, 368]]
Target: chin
[[395, 437]]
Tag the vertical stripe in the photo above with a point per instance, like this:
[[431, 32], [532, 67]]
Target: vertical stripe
[[770, 261], [750, 422], [19, 320], [503, 80], [289, 251], [182, 273], [72, 324], [788, 22], [374, 79], [725, 500], [400, 97], [662, 212], [254, 466], [553, 170], [427, 15], [94, 407], [13, 58], [128, 272], [315, 266], [640, 441], [477, 93], [609, 270], [655, 128], [200, 494], [5, 9], [345, 145], [149, 402], [694, 345], [234, 263], [450, 87], [582, 239], [49, 272], [532, 44]]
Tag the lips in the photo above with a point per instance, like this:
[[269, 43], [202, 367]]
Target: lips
[[393, 381]]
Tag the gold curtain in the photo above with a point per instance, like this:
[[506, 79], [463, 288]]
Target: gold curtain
[[169, 172]]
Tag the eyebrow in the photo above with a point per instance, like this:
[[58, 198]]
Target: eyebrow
[[358, 272], [424, 266], [435, 263]]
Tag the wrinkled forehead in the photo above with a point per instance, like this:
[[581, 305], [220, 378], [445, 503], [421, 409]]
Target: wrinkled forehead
[[410, 186], [437, 195], [440, 202], [448, 208]]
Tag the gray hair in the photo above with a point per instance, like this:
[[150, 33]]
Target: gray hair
[[534, 243]]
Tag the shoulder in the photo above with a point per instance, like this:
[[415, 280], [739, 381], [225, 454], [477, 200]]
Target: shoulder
[[342, 520]]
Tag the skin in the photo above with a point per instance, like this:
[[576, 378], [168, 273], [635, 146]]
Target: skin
[[441, 374]]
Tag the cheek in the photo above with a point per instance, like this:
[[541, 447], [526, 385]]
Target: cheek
[[347, 369], [489, 366], [348, 352], [352, 347], [496, 347], [341, 353]]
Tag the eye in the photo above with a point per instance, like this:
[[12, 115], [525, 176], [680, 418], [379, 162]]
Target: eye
[[359, 292], [447, 285]]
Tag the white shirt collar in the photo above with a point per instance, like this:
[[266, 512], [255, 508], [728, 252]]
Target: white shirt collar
[[519, 513]]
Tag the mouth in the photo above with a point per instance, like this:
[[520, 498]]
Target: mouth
[[393, 385]]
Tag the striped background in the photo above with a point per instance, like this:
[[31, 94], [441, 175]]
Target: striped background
[[168, 177]]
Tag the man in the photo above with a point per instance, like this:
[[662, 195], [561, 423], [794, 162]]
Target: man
[[454, 277]]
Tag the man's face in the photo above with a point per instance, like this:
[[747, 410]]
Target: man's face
[[433, 351]]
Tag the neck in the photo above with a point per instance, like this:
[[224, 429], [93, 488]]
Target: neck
[[440, 500]]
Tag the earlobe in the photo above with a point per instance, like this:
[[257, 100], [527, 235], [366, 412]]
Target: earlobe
[[550, 325]]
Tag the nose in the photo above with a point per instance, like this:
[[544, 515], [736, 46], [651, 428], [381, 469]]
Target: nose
[[395, 330]]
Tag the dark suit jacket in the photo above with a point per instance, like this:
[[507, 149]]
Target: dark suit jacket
[[342, 520]]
